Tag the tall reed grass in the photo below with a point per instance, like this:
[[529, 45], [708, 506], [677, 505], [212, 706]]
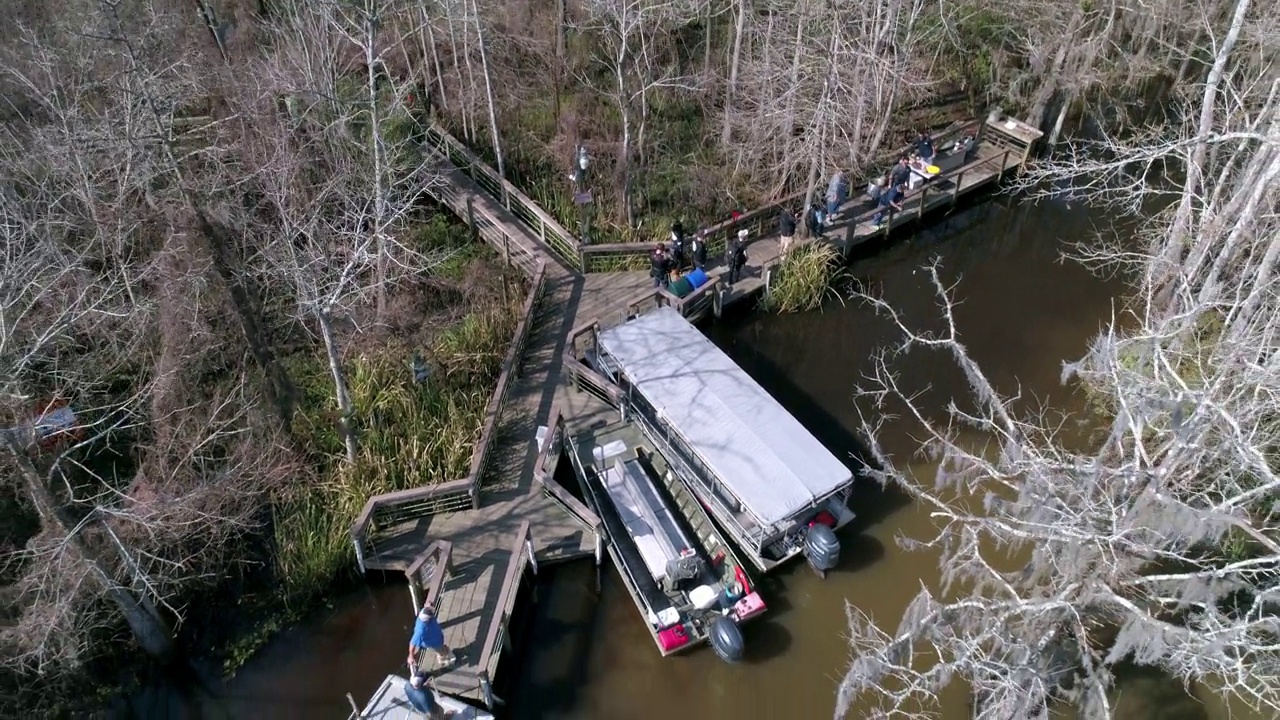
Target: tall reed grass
[[410, 434], [804, 278]]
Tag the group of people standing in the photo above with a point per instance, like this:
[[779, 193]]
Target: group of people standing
[[682, 253]]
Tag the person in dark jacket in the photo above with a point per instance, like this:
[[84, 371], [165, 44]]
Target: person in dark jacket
[[679, 258], [901, 173], [735, 256], [815, 219], [786, 228], [924, 147], [890, 202], [698, 250], [659, 265]]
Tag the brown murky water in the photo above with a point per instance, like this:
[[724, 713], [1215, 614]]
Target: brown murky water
[[587, 656]]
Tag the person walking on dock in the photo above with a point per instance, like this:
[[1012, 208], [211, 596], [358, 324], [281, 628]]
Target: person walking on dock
[[659, 265], [837, 193], [735, 256], [420, 697], [786, 228], [698, 250], [428, 635]]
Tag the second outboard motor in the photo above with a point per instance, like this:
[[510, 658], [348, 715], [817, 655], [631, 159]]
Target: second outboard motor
[[726, 639], [822, 548]]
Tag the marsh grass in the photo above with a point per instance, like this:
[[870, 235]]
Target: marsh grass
[[805, 278], [411, 435]]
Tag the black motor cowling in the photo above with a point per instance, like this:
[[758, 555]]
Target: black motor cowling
[[726, 639], [822, 548]]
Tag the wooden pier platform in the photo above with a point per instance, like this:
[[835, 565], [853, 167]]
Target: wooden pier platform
[[467, 545]]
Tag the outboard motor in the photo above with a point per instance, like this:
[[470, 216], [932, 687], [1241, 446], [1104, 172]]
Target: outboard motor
[[822, 548], [726, 639]]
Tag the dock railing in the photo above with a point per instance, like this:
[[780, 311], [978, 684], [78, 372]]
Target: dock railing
[[544, 473], [498, 634], [581, 345], [760, 222], [390, 509], [547, 228], [427, 573]]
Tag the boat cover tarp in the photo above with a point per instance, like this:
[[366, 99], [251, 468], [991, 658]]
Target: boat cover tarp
[[647, 518], [765, 457]]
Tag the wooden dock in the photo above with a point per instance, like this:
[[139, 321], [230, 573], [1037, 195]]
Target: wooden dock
[[466, 545]]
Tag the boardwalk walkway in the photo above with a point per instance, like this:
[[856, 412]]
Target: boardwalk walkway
[[483, 546]]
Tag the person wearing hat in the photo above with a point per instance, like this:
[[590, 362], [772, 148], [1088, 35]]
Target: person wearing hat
[[698, 250], [421, 698], [735, 256], [428, 635]]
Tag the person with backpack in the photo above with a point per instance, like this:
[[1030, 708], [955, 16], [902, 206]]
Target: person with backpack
[[815, 220]]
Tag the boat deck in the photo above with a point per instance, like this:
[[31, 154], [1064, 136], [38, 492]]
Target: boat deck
[[389, 702]]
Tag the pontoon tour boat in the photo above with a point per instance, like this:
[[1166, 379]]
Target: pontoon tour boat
[[770, 484], [685, 579]]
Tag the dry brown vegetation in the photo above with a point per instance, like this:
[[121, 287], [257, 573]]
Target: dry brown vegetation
[[219, 254]]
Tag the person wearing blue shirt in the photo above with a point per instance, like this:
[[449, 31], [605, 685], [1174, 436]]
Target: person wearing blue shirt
[[891, 199], [428, 635]]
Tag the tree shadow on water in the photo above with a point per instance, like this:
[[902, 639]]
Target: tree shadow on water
[[858, 552]]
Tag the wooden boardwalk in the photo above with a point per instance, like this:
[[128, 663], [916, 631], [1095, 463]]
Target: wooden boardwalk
[[479, 549]]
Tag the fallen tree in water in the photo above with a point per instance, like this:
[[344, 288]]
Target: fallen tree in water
[[1157, 543]]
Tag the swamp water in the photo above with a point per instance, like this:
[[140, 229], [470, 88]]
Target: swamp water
[[586, 656]]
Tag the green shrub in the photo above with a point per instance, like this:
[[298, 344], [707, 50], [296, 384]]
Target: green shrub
[[804, 278]]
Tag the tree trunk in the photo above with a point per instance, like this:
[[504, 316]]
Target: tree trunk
[[463, 102], [1050, 85], [375, 148], [471, 74], [345, 409], [790, 125], [435, 57], [726, 132], [561, 43], [1191, 185], [488, 92], [278, 385], [149, 629]]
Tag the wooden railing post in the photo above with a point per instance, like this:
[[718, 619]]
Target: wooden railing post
[[506, 249], [1004, 160], [471, 218], [955, 194]]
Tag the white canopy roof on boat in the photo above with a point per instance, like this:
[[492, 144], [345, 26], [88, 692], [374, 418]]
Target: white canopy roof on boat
[[755, 447]]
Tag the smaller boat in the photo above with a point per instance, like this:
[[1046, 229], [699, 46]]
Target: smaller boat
[[684, 578], [390, 701]]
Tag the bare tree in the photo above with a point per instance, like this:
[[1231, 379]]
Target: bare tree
[[631, 33], [340, 180], [818, 86], [1156, 541]]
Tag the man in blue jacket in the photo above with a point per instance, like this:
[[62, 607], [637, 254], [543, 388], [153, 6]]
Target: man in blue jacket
[[428, 635]]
